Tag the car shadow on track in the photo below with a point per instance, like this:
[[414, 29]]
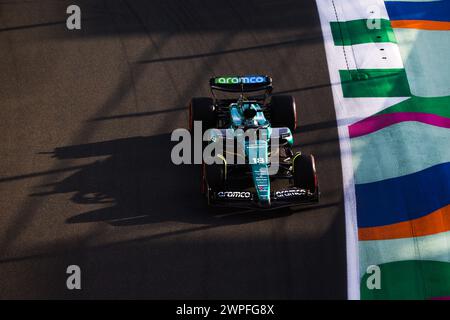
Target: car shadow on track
[[138, 184]]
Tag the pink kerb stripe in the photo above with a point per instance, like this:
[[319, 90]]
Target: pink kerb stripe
[[381, 121]]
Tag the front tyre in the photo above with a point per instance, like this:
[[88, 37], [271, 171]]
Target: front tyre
[[214, 176], [304, 172]]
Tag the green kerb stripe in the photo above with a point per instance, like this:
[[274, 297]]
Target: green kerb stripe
[[356, 32], [410, 279], [436, 105], [365, 83]]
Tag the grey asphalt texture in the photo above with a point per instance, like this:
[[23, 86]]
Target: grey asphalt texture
[[85, 170]]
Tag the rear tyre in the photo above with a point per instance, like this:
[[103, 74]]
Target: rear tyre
[[304, 172], [283, 112], [202, 109]]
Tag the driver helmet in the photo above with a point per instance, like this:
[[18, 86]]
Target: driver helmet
[[248, 112]]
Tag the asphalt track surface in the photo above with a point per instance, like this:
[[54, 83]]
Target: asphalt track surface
[[86, 176]]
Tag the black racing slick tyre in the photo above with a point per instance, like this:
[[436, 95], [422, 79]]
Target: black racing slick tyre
[[202, 109], [214, 179], [283, 112], [215, 175], [304, 172]]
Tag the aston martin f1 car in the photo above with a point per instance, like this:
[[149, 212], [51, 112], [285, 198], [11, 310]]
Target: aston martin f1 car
[[243, 177]]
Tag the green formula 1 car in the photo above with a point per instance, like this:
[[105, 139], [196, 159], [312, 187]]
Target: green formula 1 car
[[257, 170]]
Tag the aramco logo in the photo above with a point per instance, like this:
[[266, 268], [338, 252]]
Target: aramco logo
[[238, 80]]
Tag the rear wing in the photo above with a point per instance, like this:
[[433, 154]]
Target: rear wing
[[241, 83]]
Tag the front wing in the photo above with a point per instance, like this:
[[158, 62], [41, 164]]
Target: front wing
[[249, 200]]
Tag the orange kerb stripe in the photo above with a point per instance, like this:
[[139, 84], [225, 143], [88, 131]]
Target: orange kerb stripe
[[421, 24], [435, 222]]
